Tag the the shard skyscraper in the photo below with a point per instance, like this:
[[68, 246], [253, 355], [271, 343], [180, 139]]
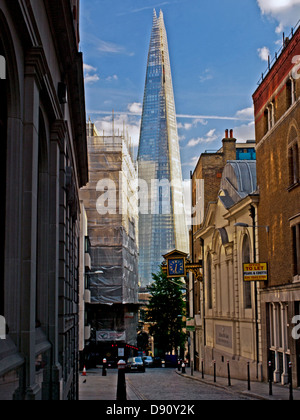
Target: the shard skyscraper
[[162, 223]]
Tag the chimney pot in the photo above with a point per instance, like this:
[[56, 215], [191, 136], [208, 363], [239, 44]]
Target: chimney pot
[[226, 134], [231, 134]]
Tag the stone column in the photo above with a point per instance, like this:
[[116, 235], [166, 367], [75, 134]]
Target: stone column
[[58, 132], [29, 225], [276, 343], [285, 374]]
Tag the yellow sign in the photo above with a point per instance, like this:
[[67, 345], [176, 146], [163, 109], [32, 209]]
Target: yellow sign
[[256, 272]]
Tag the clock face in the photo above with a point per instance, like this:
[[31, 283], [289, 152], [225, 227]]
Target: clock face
[[176, 267]]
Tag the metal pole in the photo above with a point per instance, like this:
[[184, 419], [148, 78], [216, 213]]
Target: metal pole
[[202, 368], [183, 368], [249, 380], [215, 373], [121, 391], [228, 369], [104, 371], [270, 379], [253, 212], [291, 381]]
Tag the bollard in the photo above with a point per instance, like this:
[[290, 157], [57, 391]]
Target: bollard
[[215, 372], [270, 379], [104, 369], [228, 369], [202, 368], [179, 365], [291, 381], [249, 379], [121, 391], [183, 368]]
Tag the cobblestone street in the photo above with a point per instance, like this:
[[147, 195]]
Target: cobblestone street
[[154, 385]]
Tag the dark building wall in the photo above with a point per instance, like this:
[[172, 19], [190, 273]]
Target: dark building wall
[[46, 163]]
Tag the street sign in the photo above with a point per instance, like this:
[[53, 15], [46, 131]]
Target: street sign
[[256, 272]]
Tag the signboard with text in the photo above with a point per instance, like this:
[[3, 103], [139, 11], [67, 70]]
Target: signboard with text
[[108, 335], [256, 272]]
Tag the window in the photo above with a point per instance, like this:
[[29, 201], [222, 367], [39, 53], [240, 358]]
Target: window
[[209, 282], [293, 156], [269, 117], [296, 249], [291, 92], [247, 260]]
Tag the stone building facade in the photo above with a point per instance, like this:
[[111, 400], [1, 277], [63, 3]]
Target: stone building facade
[[43, 165], [277, 121], [206, 181], [227, 329]]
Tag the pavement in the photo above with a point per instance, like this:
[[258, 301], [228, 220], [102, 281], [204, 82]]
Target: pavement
[[259, 390], [95, 387]]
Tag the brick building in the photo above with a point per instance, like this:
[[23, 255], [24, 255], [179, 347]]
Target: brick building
[[43, 164], [277, 120]]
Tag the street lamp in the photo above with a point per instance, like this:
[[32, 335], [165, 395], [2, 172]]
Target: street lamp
[[245, 225]]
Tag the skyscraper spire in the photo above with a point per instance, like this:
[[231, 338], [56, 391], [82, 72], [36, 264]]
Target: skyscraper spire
[[164, 227], [154, 15]]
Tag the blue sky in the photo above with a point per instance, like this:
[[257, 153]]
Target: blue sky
[[218, 50]]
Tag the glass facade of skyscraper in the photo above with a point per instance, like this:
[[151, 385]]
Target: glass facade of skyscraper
[[162, 226]]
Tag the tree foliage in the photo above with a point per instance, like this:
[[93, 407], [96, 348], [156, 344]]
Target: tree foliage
[[165, 313]]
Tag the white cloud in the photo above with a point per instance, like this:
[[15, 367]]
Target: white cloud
[[264, 53], [210, 117], [112, 78], [135, 108], [109, 47], [194, 123], [106, 47], [205, 76], [88, 68], [131, 123], [90, 78], [210, 137], [245, 132], [246, 113], [286, 12]]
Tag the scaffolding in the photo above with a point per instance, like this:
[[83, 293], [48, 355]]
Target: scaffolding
[[111, 204]]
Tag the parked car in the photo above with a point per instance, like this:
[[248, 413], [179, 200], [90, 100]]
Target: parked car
[[135, 364], [148, 361]]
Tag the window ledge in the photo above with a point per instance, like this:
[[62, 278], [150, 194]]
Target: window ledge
[[296, 279], [293, 186]]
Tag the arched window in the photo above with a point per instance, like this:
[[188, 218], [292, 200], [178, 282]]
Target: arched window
[[3, 152], [246, 260], [293, 158], [209, 282]]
